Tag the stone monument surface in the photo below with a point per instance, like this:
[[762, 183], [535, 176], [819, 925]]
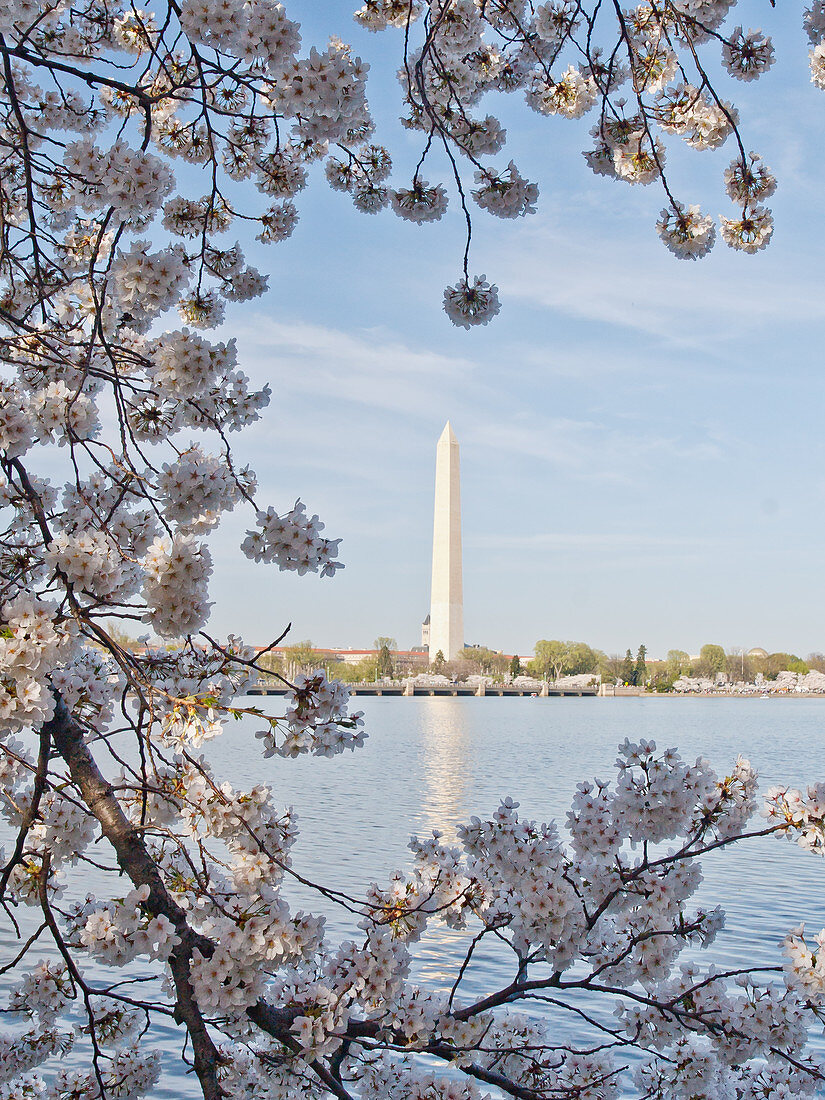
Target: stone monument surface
[[447, 597]]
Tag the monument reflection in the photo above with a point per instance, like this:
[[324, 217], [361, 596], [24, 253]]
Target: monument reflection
[[445, 746]]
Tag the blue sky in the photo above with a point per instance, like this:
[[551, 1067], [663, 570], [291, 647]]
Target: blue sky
[[641, 438]]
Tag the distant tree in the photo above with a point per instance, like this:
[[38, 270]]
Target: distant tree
[[713, 660], [367, 670], [627, 669], [774, 663], [580, 658], [611, 666], [363, 672], [350, 673], [602, 664], [740, 666], [816, 662], [660, 676], [272, 662], [479, 658], [384, 668], [678, 663], [382, 642], [556, 658], [796, 664], [550, 658], [301, 657], [439, 663], [515, 668], [640, 668], [783, 662]]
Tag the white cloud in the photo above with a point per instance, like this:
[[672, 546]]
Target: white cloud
[[599, 542], [633, 283], [390, 400], [367, 366]]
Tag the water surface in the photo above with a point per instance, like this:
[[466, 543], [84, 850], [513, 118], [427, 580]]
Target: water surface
[[432, 762]]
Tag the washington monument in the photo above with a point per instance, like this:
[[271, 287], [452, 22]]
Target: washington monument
[[447, 598]]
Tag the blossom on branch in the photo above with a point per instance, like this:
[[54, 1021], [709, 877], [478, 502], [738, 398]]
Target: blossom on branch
[[140, 148]]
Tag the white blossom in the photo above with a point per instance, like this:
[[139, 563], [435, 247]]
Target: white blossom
[[419, 203], [749, 181], [572, 96], [177, 571], [507, 195], [751, 232], [687, 232], [747, 56], [817, 59], [317, 719], [197, 488], [293, 542], [468, 304]]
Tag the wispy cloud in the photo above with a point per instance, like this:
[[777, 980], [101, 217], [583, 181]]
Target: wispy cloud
[[596, 541], [595, 449], [365, 366], [622, 280], [391, 397]]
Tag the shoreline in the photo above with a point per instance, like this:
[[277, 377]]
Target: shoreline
[[398, 691], [724, 695]]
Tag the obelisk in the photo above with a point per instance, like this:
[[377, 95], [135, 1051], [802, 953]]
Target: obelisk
[[447, 597]]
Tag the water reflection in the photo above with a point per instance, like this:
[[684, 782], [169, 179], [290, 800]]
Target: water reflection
[[445, 743]]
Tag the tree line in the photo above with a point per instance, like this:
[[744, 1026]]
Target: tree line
[[552, 659], [555, 658]]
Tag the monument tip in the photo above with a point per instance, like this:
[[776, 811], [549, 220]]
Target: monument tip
[[448, 433]]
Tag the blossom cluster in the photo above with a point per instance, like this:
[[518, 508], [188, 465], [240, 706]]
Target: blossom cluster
[[420, 202], [196, 676], [317, 720], [31, 644], [293, 542], [117, 932], [603, 907], [801, 815], [468, 304], [197, 488], [176, 572], [100, 105], [90, 561], [506, 195]]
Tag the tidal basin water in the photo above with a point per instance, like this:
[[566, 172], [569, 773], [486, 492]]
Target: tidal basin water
[[430, 763]]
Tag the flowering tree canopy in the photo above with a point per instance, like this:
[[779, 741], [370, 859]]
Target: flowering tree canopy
[[100, 742]]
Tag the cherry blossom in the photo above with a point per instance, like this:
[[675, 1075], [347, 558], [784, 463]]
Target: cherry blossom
[[687, 232], [468, 304], [142, 147]]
